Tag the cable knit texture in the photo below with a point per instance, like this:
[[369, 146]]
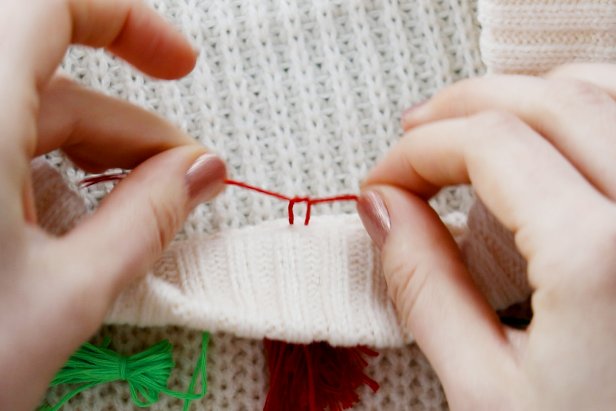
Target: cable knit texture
[[303, 97], [533, 36]]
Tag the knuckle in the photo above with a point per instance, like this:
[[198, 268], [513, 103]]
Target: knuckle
[[460, 90], [494, 127], [570, 94], [497, 121], [458, 97]]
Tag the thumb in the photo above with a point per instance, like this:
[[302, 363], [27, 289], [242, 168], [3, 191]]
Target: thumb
[[139, 218], [432, 291]]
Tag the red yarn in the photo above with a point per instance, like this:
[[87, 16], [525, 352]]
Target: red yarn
[[101, 178], [87, 182], [316, 376], [294, 200]]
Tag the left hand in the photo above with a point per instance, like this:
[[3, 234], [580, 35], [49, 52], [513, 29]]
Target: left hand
[[54, 292]]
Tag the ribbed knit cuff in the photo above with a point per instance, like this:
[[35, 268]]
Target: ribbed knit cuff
[[293, 283], [534, 36]]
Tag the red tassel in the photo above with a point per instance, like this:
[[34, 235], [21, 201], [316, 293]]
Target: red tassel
[[315, 377]]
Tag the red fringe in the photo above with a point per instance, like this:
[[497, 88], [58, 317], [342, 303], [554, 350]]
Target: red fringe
[[315, 377]]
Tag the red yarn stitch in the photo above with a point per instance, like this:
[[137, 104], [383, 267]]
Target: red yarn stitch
[[294, 200], [87, 182]]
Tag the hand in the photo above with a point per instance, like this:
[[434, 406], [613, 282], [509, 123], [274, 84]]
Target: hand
[[54, 292], [540, 153]]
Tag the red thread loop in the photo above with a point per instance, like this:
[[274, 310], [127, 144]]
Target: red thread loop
[[294, 200], [89, 181]]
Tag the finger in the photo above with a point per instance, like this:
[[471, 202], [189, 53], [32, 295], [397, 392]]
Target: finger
[[128, 28], [602, 75], [35, 37], [578, 118], [136, 221], [433, 293], [518, 174], [90, 127]]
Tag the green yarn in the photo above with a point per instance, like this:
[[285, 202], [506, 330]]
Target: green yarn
[[146, 373]]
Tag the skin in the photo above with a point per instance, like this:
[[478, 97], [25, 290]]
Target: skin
[[539, 153], [54, 292]]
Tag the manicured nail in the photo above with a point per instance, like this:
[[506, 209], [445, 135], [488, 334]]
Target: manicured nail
[[374, 216], [205, 178], [407, 114]]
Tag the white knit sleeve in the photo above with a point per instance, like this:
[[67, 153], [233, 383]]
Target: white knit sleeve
[[533, 36]]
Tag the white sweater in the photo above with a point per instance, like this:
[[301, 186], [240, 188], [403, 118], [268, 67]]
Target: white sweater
[[303, 97]]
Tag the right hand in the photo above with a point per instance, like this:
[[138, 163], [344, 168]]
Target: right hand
[[541, 155]]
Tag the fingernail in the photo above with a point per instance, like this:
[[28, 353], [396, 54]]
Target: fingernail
[[408, 113], [374, 216], [205, 178]]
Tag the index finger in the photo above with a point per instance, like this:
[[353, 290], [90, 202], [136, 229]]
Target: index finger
[[519, 176], [41, 30], [34, 36]]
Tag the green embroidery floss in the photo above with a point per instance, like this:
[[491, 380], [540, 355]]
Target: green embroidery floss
[[146, 373]]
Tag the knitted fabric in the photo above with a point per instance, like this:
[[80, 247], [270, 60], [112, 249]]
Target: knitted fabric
[[296, 284], [303, 97], [291, 283], [58, 208], [533, 36]]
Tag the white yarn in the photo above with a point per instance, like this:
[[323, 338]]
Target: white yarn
[[58, 208], [298, 284], [290, 283]]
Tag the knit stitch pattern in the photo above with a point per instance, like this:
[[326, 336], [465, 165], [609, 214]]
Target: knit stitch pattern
[[534, 36]]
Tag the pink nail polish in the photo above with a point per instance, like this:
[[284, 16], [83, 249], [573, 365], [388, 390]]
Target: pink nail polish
[[375, 217], [205, 178]]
